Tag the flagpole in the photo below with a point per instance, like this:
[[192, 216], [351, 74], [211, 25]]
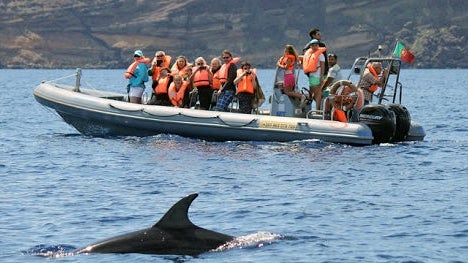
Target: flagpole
[[396, 44]]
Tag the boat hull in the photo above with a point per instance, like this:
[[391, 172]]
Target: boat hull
[[99, 113]]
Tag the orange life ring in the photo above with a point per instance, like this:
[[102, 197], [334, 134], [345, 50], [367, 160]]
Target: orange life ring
[[345, 95]]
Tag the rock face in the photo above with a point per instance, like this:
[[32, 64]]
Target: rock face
[[104, 33]]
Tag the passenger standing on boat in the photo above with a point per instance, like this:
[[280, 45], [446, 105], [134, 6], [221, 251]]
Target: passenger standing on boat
[[160, 91], [287, 62], [246, 84], [180, 66], [176, 92], [215, 67], [313, 64], [314, 33], [334, 73], [189, 92], [371, 79], [137, 74], [227, 75], [202, 79], [160, 60]]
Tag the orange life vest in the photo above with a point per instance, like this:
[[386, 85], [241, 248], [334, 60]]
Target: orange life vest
[[311, 60], [339, 115], [284, 60], [132, 67], [163, 85], [245, 84], [223, 71], [216, 81], [175, 70], [373, 87], [201, 77], [177, 96], [165, 64]]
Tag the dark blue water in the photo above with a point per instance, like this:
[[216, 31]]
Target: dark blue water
[[303, 201]]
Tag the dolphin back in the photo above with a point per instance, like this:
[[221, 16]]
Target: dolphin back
[[177, 215], [173, 234]]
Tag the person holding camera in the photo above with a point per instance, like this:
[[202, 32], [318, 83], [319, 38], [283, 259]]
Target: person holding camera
[[160, 60], [246, 84], [202, 80]]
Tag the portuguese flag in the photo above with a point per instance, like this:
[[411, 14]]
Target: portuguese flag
[[403, 53]]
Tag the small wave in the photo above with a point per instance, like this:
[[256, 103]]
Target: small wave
[[259, 239], [53, 251]]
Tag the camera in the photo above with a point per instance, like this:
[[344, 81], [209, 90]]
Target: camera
[[248, 72], [202, 67]]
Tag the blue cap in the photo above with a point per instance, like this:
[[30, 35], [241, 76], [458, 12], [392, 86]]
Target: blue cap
[[314, 41], [138, 53]]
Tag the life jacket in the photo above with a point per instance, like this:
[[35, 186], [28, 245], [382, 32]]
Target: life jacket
[[373, 87], [284, 60], [339, 115], [201, 77], [311, 60], [245, 84], [216, 82], [163, 85], [223, 71], [177, 97], [165, 64], [175, 70], [134, 65]]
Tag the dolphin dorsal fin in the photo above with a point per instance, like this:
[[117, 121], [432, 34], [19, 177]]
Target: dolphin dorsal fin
[[177, 215]]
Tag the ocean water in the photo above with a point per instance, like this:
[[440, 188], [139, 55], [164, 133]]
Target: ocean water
[[304, 201]]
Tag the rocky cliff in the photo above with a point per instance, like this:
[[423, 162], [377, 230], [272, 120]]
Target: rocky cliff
[[104, 33]]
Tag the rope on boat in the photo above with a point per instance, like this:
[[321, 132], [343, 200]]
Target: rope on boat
[[132, 110], [54, 80], [225, 122], [202, 117], [199, 117], [159, 115], [241, 125]]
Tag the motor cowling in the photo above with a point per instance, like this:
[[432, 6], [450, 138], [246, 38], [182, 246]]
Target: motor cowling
[[403, 121], [380, 120]]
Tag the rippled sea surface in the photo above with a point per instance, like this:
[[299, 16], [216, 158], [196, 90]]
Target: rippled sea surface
[[305, 201]]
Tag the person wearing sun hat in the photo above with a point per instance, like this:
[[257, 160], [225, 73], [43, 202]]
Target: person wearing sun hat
[[137, 75], [313, 64]]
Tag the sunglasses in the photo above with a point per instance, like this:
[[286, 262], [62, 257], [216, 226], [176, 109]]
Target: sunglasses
[[226, 57]]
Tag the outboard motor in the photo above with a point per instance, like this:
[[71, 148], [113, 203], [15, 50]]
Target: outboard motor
[[380, 120], [403, 121]]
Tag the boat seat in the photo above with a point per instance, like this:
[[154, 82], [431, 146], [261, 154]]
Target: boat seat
[[193, 98], [234, 105]]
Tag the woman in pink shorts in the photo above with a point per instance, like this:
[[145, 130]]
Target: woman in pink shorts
[[287, 62]]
